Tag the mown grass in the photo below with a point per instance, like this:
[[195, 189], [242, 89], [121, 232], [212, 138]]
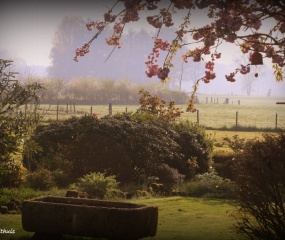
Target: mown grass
[[194, 218], [23, 193], [179, 218]]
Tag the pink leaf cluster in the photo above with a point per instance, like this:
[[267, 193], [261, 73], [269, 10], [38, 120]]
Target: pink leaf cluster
[[81, 51], [152, 66]]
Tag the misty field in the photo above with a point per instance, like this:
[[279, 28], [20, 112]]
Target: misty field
[[249, 112]]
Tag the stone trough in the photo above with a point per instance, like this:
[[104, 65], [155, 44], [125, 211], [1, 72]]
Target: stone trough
[[89, 218]]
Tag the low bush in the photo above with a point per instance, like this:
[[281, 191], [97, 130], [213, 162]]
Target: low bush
[[41, 179], [208, 185], [97, 184], [12, 174], [168, 176], [133, 190], [61, 178], [223, 164], [260, 171], [194, 145]]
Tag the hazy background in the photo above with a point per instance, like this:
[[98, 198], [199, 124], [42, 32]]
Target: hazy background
[[41, 37]]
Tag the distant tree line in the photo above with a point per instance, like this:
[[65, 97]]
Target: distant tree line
[[126, 62], [91, 90]]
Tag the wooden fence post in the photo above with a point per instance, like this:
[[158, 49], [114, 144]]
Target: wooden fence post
[[236, 118], [74, 107], [276, 118], [198, 119], [57, 108], [110, 109], [91, 110]]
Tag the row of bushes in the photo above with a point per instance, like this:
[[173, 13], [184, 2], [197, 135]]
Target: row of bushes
[[99, 185], [133, 147]]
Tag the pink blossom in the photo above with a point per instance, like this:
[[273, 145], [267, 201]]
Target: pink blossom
[[209, 75], [80, 52], [118, 28], [100, 25], [276, 58], [210, 65], [114, 41], [244, 69], [108, 17], [162, 73], [197, 36], [90, 26], [231, 78], [217, 55]]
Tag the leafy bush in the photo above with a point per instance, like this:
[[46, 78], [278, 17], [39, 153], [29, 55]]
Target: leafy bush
[[168, 176], [60, 178], [15, 126], [194, 145], [157, 107], [12, 174], [41, 179], [126, 145], [208, 185], [223, 162], [122, 145], [260, 171], [97, 185]]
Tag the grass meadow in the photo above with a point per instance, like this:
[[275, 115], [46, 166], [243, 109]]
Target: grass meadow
[[252, 112], [182, 218]]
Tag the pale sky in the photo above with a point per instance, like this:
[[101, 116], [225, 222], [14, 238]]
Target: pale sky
[[27, 26]]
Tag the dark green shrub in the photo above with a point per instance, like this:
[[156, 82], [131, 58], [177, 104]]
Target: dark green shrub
[[194, 144], [41, 179], [122, 145], [223, 162], [208, 185], [168, 176], [126, 145], [60, 178], [260, 171], [97, 184]]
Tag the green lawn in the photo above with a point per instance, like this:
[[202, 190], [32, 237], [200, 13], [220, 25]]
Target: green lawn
[[179, 218], [194, 218]]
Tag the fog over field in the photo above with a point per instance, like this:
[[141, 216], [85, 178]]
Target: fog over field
[[34, 34]]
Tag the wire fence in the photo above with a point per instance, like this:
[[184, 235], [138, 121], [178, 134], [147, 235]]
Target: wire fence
[[208, 115]]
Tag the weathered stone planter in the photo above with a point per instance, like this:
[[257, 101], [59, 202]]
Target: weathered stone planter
[[88, 217]]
